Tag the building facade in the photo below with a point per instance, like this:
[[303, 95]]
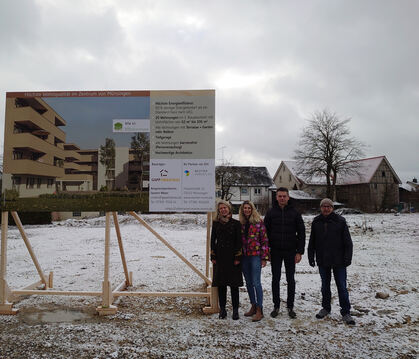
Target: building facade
[[373, 187], [250, 184], [34, 151]]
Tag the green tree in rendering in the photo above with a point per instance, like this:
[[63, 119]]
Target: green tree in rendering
[[107, 158], [140, 144]]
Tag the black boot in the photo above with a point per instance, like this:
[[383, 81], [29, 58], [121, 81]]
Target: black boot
[[235, 313], [223, 313]]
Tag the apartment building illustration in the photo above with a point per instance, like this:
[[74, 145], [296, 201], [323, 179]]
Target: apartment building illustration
[[34, 152], [38, 160]]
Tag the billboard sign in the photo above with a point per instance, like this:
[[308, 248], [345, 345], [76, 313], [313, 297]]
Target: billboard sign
[[109, 151]]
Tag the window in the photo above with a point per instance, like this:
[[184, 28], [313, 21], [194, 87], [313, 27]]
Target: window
[[280, 178], [17, 129], [76, 214], [30, 181], [17, 155], [383, 173], [289, 178], [244, 190], [16, 182], [38, 182], [257, 191], [50, 182]]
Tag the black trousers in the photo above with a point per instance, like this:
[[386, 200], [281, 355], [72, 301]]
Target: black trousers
[[222, 296], [276, 263]]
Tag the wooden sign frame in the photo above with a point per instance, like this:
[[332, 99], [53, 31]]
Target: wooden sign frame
[[45, 284]]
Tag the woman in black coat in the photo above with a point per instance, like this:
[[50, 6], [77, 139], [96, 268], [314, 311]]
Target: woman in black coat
[[226, 251]]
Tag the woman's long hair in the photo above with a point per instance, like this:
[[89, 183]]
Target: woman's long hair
[[254, 216], [216, 214]]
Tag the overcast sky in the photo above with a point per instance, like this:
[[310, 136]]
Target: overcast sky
[[272, 64]]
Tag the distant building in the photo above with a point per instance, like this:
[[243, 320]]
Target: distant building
[[287, 176], [409, 195], [252, 184], [373, 188], [303, 201]]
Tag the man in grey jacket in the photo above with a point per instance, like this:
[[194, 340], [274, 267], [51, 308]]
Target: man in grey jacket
[[330, 246]]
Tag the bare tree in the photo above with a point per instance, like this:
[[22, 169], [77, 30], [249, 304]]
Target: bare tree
[[140, 144], [226, 177], [325, 149]]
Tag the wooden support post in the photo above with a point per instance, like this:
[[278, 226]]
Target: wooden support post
[[29, 247], [51, 280], [161, 294], [56, 292], [128, 279], [213, 305], [208, 249], [213, 291], [213, 298], [5, 306], [167, 244], [107, 308]]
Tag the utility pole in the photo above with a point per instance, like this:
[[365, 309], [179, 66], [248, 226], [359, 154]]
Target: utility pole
[[222, 154]]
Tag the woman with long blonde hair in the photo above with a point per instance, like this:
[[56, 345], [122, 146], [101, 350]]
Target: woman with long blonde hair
[[226, 252], [255, 254]]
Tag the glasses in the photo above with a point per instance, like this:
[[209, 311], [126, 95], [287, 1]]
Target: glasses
[[326, 206]]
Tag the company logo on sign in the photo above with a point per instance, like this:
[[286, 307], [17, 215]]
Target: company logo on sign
[[187, 173], [131, 125], [117, 126]]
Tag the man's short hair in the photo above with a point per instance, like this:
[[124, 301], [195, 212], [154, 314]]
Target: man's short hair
[[282, 189], [326, 202]]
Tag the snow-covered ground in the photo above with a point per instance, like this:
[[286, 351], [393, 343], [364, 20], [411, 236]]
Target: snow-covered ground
[[385, 260]]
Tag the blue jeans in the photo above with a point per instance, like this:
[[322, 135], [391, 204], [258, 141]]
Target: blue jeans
[[339, 273], [252, 266]]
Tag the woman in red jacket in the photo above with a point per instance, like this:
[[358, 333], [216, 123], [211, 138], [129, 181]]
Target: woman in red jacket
[[255, 255]]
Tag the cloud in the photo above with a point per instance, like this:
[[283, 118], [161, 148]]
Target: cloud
[[272, 63]]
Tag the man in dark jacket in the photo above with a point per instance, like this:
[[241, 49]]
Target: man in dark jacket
[[331, 246], [286, 235]]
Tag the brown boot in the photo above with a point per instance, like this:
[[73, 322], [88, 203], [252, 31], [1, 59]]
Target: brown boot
[[258, 315], [251, 311]]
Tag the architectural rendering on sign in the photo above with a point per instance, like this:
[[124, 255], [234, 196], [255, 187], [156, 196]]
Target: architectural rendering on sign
[[91, 150]]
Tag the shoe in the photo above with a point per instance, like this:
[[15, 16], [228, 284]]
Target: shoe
[[291, 313], [348, 319], [323, 312], [251, 311], [223, 313], [275, 312], [258, 315], [235, 314]]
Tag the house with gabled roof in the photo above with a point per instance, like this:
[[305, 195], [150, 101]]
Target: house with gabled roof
[[287, 176], [251, 184], [374, 186]]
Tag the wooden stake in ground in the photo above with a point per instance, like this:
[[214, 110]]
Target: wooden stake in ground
[[5, 306]]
